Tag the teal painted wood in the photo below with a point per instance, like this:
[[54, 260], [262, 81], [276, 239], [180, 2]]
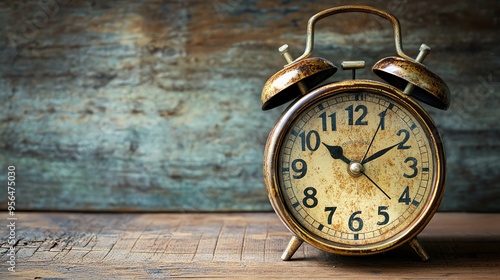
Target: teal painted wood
[[155, 105]]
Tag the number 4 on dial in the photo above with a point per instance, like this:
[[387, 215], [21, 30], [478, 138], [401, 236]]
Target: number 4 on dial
[[405, 196]]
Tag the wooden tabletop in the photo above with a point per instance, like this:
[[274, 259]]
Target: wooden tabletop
[[223, 245]]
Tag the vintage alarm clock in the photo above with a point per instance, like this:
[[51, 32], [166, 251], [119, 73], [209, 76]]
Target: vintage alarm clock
[[355, 167]]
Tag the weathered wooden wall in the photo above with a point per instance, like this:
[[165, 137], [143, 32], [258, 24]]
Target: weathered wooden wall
[[155, 105]]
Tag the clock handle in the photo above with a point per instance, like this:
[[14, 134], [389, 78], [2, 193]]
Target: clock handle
[[292, 247], [347, 9]]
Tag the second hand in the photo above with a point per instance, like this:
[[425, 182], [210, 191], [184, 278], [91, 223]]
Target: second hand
[[373, 138], [376, 185], [368, 149]]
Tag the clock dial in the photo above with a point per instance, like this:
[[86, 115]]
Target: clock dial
[[356, 168]]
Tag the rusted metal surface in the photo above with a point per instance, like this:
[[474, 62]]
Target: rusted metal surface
[[282, 87], [350, 9], [430, 88]]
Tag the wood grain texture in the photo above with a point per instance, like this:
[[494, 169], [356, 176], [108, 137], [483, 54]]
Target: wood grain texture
[[155, 105], [149, 246]]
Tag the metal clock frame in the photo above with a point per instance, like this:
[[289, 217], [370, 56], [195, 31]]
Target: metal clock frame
[[272, 156]]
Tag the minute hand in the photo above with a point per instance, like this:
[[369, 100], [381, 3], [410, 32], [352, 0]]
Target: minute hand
[[378, 154]]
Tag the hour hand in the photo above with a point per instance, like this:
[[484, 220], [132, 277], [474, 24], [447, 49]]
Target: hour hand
[[337, 153]]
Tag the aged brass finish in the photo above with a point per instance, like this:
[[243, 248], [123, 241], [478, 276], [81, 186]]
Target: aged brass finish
[[288, 57], [352, 8], [415, 245], [291, 248], [423, 52], [282, 87], [326, 175], [284, 50], [351, 65], [415, 79]]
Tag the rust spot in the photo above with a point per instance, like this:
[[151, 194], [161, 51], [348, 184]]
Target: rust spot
[[283, 86]]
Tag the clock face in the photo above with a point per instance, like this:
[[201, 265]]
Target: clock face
[[356, 168]]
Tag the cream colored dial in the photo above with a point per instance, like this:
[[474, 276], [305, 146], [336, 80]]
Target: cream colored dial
[[356, 168]]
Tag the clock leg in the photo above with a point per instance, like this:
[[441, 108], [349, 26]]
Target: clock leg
[[417, 247], [292, 247]]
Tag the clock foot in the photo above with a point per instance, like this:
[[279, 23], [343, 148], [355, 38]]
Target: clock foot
[[417, 247], [292, 247]]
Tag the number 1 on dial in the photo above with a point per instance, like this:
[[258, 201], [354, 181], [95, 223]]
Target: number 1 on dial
[[382, 119]]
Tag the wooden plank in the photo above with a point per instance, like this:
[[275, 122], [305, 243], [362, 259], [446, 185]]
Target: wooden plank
[[150, 240], [183, 244], [254, 243], [462, 246], [230, 243], [207, 242], [155, 105]]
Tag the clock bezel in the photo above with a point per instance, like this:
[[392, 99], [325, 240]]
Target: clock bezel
[[279, 132]]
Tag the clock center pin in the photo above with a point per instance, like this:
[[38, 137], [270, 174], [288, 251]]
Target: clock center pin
[[355, 169]]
